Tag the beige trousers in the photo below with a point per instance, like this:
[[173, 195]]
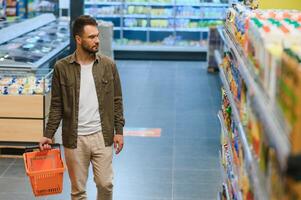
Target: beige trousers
[[90, 149]]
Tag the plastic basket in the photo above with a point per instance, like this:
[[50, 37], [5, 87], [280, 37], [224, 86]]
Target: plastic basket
[[45, 170]]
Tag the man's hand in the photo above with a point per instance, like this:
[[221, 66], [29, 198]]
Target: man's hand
[[44, 143], [118, 143]]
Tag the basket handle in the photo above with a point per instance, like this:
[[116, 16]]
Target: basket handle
[[35, 147]]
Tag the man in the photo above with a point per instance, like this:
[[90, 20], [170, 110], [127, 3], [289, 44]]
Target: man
[[86, 96]]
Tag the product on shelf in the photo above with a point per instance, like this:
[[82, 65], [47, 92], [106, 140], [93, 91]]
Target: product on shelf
[[103, 11], [237, 179], [262, 35], [25, 85], [165, 12], [161, 23], [138, 10], [187, 11], [289, 93], [132, 22], [267, 48], [268, 165]]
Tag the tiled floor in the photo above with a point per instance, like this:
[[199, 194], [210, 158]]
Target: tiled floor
[[182, 99]]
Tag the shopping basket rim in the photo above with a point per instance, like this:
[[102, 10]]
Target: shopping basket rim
[[57, 170]]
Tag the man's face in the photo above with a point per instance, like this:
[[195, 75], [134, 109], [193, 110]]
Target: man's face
[[89, 41]]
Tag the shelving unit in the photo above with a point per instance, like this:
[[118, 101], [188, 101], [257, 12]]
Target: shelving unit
[[27, 57], [226, 135], [274, 124], [251, 162], [172, 25]]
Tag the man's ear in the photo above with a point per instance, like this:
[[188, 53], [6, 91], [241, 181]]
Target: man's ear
[[78, 39]]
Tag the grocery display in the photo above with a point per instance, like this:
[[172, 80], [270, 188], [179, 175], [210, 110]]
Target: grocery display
[[260, 71], [23, 84], [26, 61], [170, 23], [33, 48]]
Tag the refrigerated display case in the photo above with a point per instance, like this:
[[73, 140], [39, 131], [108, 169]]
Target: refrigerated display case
[[161, 25], [26, 65], [25, 100], [35, 48]]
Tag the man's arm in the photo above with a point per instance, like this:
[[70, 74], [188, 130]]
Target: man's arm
[[56, 110], [118, 105], [118, 112]]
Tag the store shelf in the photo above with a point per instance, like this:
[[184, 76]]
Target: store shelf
[[107, 16], [226, 135], [188, 17], [159, 48], [147, 29], [205, 29], [204, 4], [275, 128], [135, 16], [134, 28], [136, 3], [152, 7], [103, 3], [224, 178], [161, 4], [161, 29], [160, 17], [200, 18], [117, 28], [251, 164]]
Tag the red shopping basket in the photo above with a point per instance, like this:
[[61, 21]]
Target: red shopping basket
[[45, 170]]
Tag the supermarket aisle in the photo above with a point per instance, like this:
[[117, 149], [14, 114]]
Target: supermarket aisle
[[182, 164], [182, 100]]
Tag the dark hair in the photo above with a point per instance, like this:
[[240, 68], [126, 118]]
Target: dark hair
[[80, 22]]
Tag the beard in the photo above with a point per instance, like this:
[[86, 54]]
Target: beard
[[90, 50]]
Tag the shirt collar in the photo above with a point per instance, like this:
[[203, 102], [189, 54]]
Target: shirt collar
[[73, 58]]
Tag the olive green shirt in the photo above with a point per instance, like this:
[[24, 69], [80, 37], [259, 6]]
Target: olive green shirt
[[65, 99]]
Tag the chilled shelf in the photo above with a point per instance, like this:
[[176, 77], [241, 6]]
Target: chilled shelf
[[274, 124]]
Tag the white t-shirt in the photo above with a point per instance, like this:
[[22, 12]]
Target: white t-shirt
[[88, 115]]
